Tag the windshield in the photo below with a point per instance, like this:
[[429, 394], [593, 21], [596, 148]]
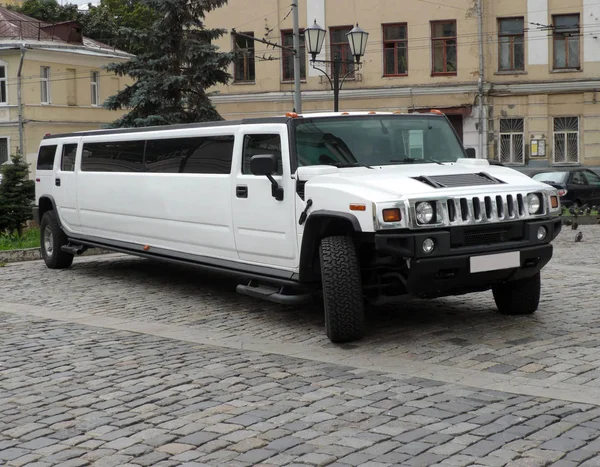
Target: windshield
[[556, 177], [375, 140]]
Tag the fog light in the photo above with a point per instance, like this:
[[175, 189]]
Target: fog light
[[428, 245], [541, 233]]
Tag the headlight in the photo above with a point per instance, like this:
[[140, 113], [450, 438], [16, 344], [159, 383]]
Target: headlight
[[534, 203], [424, 212]]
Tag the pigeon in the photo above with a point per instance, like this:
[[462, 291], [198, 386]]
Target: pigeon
[[578, 237], [567, 222], [574, 225]]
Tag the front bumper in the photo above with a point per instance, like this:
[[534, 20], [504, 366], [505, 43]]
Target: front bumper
[[447, 270]]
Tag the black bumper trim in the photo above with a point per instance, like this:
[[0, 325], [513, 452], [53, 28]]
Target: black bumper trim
[[407, 244], [451, 275]]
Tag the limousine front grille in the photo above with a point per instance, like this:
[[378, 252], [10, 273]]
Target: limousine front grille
[[486, 208], [479, 209]]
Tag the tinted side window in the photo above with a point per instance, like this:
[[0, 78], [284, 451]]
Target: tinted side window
[[122, 156], [67, 162], [592, 178], [577, 178], [255, 145], [202, 155], [46, 157]]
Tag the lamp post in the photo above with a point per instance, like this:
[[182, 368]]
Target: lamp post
[[357, 40]]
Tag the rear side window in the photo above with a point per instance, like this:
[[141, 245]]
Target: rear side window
[[45, 159], [122, 156], [202, 155], [67, 161], [255, 145]]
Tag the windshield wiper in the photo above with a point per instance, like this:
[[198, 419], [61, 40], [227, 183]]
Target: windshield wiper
[[410, 160], [340, 165]]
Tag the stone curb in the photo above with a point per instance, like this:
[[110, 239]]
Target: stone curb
[[32, 254]]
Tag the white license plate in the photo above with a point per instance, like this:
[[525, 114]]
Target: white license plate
[[495, 262]]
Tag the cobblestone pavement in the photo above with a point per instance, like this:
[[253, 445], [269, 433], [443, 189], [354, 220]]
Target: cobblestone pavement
[[78, 387]]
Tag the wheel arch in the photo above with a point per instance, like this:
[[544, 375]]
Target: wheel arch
[[45, 204], [321, 224]]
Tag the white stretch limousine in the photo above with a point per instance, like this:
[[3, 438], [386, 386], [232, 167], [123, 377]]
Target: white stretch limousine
[[361, 207]]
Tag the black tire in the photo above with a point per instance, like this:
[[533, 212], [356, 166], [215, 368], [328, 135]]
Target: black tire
[[342, 290], [52, 238], [520, 297]]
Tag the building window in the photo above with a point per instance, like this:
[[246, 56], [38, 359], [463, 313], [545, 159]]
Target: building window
[[3, 96], [3, 150], [244, 66], [511, 50], [287, 57], [95, 88], [45, 84], [566, 139], [341, 47], [566, 41], [443, 47], [511, 140], [395, 49]]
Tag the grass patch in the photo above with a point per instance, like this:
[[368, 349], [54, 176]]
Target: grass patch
[[30, 239]]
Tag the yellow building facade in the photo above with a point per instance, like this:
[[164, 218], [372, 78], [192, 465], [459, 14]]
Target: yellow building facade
[[538, 76], [52, 80]]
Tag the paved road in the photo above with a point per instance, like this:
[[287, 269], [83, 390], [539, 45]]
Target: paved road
[[119, 361]]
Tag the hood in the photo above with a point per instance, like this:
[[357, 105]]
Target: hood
[[449, 179]]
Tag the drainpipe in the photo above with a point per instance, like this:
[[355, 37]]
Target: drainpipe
[[19, 101], [481, 77]]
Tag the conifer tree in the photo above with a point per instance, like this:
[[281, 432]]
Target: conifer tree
[[17, 194], [176, 67]]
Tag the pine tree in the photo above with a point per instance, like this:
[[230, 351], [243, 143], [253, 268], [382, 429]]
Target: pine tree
[[17, 194], [178, 64]]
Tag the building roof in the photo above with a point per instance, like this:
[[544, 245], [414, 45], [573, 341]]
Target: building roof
[[17, 29]]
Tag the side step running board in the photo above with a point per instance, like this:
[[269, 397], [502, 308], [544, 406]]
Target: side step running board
[[272, 294], [74, 249]]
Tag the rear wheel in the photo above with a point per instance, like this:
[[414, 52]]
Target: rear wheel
[[342, 289], [520, 297], [52, 238]]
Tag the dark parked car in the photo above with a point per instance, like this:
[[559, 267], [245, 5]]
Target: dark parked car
[[576, 186]]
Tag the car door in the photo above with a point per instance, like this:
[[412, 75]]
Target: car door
[[580, 189], [265, 228], [593, 180], [65, 184]]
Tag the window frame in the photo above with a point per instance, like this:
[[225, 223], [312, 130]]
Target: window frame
[[511, 37], [286, 53], [565, 36], [95, 88], [247, 60], [512, 134], [4, 84], [566, 134], [345, 47], [8, 159], [444, 39], [395, 43], [45, 84]]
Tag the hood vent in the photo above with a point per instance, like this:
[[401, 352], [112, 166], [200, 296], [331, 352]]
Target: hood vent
[[459, 180]]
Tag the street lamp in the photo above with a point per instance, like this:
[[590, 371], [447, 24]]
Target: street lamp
[[357, 39]]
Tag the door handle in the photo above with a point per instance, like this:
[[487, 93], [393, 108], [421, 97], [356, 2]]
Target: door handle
[[57, 181], [241, 191]]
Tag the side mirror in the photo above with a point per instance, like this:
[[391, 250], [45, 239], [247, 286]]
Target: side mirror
[[471, 154], [266, 165]]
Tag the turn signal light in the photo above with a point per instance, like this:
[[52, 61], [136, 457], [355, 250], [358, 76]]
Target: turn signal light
[[146, 247], [554, 202], [358, 207], [392, 215]]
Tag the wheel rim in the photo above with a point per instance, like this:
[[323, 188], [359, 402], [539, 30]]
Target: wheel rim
[[48, 241]]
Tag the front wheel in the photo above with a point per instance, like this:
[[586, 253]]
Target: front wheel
[[342, 289], [52, 238], [520, 297]]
